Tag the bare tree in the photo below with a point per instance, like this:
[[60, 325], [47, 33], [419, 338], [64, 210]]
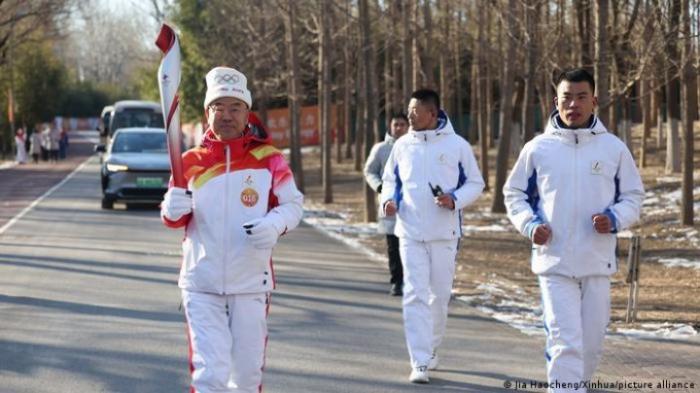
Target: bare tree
[[483, 87], [324, 94], [30, 21], [371, 125], [506, 112], [601, 62], [673, 112], [532, 11], [690, 110], [294, 93]]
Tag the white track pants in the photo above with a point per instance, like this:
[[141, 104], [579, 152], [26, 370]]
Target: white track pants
[[227, 335], [428, 272], [576, 313]]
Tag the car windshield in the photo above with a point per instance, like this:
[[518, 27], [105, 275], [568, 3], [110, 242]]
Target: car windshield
[[137, 117], [140, 142]]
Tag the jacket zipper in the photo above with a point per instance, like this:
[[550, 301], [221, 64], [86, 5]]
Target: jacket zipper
[[225, 232], [576, 190], [425, 169]]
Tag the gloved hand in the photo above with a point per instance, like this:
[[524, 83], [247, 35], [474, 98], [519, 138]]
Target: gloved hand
[[261, 233], [176, 203]]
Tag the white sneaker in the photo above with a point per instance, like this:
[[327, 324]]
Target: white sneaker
[[419, 375], [434, 362]]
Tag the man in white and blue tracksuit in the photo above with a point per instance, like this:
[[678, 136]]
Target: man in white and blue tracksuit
[[431, 174], [570, 191], [374, 169]]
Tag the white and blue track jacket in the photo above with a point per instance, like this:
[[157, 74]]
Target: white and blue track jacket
[[564, 177], [420, 159]]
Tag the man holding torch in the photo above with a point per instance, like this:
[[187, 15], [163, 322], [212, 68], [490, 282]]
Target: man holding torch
[[238, 197]]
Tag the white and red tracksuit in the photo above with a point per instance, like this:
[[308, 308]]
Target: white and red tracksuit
[[225, 281], [562, 178]]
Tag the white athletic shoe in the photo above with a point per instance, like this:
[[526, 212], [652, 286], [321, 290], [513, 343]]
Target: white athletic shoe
[[419, 375], [434, 362]]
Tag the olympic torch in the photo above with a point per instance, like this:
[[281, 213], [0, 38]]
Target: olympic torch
[[168, 83]]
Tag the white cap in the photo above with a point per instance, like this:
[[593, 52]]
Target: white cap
[[227, 82]]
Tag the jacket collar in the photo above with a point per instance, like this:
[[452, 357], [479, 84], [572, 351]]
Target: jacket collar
[[444, 127], [557, 128], [254, 134]]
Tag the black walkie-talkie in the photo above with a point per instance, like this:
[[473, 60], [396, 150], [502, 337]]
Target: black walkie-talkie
[[437, 191]]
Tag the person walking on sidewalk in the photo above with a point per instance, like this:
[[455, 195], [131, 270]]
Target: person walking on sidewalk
[[570, 191], [54, 140], [21, 145], [240, 198], [35, 145], [430, 176], [374, 169]]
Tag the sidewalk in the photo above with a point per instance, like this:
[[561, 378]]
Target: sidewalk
[[334, 328], [22, 184]]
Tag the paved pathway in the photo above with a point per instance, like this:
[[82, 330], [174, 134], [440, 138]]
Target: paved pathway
[[89, 304]]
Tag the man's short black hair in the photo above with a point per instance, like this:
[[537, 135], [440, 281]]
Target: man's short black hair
[[399, 116], [576, 75], [427, 96]]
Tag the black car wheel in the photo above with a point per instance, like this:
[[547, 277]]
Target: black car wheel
[[107, 203]]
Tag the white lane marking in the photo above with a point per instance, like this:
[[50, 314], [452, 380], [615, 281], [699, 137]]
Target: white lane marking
[[41, 198]]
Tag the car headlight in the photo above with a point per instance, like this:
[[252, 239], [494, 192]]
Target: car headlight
[[117, 168]]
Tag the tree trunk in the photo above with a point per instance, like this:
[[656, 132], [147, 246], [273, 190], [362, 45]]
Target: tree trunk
[[673, 157], [294, 97], [388, 78], [458, 72], [659, 117], [689, 112], [583, 18], [407, 53], [473, 128], [646, 94], [490, 96], [347, 91], [415, 50], [428, 59], [324, 95], [498, 205], [361, 108], [371, 126], [602, 67], [531, 20], [483, 99]]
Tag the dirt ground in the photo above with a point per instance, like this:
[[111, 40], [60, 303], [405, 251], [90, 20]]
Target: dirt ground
[[666, 294]]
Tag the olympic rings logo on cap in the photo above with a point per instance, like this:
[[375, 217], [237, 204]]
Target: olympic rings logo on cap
[[227, 78]]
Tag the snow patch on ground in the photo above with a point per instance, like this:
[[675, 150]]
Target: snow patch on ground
[[504, 301], [675, 331], [336, 226], [508, 303], [680, 262]]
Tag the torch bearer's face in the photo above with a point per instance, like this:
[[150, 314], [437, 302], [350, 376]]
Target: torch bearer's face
[[227, 117]]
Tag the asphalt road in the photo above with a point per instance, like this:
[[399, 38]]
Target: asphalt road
[[89, 303]]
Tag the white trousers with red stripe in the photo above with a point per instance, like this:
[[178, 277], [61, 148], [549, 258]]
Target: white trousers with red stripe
[[228, 335], [428, 272], [576, 312]]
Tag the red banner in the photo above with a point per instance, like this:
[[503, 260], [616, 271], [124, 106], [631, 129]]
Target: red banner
[[279, 124]]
